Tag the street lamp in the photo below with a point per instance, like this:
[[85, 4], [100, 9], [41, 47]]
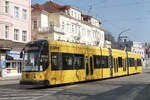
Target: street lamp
[[119, 37]]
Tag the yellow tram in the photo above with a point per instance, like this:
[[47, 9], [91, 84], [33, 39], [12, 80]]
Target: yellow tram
[[49, 62]]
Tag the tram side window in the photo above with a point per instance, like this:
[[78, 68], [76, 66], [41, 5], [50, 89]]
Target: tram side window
[[67, 61], [97, 61], [131, 61], [117, 65], [78, 61], [124, 64], [139, 62], [105, 61], [56, 61], [120, 61]]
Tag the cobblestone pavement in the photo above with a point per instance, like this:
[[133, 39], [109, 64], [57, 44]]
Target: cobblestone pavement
[[134, 87]]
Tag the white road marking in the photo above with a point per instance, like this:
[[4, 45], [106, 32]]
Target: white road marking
[[40, 97], [34, 94], [9, 98]]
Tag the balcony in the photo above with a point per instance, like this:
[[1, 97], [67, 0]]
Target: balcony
[[50, 30]]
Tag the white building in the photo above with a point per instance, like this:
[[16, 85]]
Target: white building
[[55, 22], [138, 48]]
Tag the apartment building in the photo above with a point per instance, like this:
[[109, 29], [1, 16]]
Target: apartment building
[[15, 31], [138, 48], [65, 23]]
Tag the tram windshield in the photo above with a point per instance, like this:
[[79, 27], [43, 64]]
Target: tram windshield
[[35, 57], [31, 57]]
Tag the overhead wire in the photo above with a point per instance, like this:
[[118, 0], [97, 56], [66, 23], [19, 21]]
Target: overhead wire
[[122, 5], [99, 3]]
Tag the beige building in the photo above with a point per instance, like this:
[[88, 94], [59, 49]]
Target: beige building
[[55, 22], [107, 44]]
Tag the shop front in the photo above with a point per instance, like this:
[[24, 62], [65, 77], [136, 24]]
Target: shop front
[[14, 63], [10, 61]]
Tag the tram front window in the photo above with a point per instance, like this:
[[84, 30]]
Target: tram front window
[[31, 58], [36, 56]]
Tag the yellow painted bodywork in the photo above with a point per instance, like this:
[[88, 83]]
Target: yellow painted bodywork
[[134, 69], [70, 76], [116, 54]]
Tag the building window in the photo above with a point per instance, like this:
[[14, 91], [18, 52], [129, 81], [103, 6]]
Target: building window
[[16, 12], [66, 11], [24, 14], [88, 33], [79, 30], [83, 31], [24, 35], [75, 14], [72, 28], [16, 34], [63, 25], [76, 29], [93, 34], [68, 27], [148, 56], [6, 32], [35, 24], [79, 16], [71, 13], [6, 6]]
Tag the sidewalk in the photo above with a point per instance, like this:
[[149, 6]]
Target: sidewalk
[[10, 78]]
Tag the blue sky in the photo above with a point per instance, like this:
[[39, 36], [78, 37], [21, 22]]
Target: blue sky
[[116, 15]]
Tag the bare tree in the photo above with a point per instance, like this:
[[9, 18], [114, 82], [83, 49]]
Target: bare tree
[[110, 37]]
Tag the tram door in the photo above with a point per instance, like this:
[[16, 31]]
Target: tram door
[[135, 64], [127, 63], [110, 62], [89, 67]]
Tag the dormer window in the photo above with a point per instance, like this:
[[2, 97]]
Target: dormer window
[[82, 18], [66, 11]]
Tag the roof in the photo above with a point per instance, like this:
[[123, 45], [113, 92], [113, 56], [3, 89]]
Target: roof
[[53, 7], [50, 7], [86, 17]]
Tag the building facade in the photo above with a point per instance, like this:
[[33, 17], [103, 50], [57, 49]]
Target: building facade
[[146, 63], [107, 44], [55, 22], [138, 48], [15, 31]]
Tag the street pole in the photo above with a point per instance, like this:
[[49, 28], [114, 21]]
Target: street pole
[[119, 37]]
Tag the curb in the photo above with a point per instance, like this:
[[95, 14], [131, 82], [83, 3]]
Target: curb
[[10, 78]]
